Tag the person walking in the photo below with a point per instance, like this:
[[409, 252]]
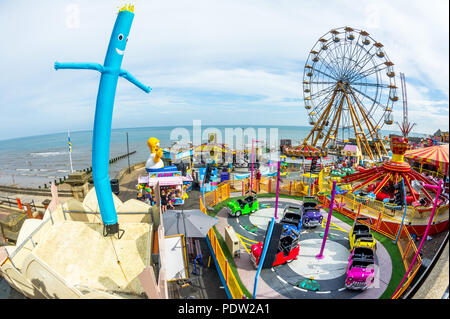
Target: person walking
[[163, 202], [169, 199], [258, 179], [148, 198]]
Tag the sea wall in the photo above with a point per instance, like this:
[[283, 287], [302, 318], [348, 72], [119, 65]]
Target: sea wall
[[33, 191], [45, 192], [124, 171]]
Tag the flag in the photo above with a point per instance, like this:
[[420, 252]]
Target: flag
[[70, 150], [70, 144]]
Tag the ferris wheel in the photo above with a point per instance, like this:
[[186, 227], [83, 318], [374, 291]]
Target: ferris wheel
[[349, 90]]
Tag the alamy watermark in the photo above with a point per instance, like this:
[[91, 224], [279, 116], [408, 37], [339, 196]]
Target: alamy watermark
[[224, 145]]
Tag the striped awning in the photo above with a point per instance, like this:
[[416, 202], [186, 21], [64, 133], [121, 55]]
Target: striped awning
[[307, 148], [433, 154]]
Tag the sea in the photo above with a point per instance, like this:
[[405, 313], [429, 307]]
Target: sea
[[37, 160]]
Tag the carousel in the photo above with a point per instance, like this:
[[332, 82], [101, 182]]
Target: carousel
[[303, 151]]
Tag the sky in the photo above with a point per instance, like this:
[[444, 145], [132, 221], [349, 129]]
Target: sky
[[237, 62]]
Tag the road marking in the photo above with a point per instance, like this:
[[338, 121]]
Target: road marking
[[282, 280], [341, 289], [245, 240], [332, 226], [301, 289]]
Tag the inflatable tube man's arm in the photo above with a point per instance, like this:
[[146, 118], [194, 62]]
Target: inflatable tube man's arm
[[80, 66], [133, 80]]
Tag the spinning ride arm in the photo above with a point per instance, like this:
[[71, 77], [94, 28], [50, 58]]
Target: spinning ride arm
[[368, 181], [408, 184], [382, 183]]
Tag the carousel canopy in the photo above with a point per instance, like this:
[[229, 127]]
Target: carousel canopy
[[302, 150], [307, 148], [434, 154]]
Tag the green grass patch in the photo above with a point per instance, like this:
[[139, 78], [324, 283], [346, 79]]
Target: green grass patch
[[233, 267]]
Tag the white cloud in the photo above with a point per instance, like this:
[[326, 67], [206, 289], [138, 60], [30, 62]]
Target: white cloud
[[249, 53]]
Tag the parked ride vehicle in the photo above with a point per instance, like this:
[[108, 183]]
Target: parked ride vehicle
[[292, 218], [360, 235], [312, 216], [288, 249], [244, 206], [360, 269]]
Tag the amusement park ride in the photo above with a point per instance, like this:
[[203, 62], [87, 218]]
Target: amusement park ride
[[349, 89], [390, 174]]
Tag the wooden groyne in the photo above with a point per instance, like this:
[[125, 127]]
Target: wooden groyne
[[89, 169]]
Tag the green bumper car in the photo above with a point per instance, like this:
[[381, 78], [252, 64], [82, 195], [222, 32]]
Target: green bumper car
[[243, 206]]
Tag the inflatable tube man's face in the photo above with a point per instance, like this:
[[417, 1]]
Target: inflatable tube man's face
[[153, 144], [119, 38]]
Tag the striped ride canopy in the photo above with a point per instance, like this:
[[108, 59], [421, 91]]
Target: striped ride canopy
[[433, 154]]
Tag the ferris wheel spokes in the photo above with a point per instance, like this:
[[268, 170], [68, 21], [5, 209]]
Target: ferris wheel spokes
[[319, 107], [359, 135], [372, 131], [325, 122], [349, 82], [321, 117]]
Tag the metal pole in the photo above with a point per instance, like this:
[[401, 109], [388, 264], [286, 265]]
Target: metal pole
[[309, 183], [263, 255], [278, 190], [330, 211], [251, 176], [128, 153], [438, 193], [70, 151], [404, 213]]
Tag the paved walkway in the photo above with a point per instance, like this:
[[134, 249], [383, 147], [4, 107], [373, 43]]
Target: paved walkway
[[437, 281]]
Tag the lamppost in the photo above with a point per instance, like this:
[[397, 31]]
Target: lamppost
[[278, 189], [330, 211], [128, 153], [251, 176], [404, 211]]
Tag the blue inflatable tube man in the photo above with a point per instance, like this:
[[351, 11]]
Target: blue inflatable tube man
[[110, 72]]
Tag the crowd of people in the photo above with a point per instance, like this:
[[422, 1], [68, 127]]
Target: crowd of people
[[168, 195]]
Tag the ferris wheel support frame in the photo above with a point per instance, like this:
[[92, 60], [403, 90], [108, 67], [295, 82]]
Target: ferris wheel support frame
[[370, 127], [311, 133], [360, 137], [358, 134], [337, 117]]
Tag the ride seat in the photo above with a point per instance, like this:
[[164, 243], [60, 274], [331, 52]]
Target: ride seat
[[241, 203]]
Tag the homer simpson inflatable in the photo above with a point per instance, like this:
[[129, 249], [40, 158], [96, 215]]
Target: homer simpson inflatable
[[154, 162]]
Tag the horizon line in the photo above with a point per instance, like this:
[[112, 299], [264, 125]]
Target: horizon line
[[161, 126]]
